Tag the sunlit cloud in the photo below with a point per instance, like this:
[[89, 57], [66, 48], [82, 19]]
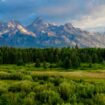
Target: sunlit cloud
[[86, 14], [94, 20]]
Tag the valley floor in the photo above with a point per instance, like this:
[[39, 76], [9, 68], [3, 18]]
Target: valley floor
[[27, 85], [97, 71]]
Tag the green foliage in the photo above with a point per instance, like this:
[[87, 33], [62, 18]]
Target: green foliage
[[72, 57], [37, 63], [27, 77], [3, 90], [99, 99], [29, 99], [20, 62], [24, 86], [1, 60], [45, 65], [66, 90], [21, 85], [35, 89], [67, 63], [49, 97], [10, 76]]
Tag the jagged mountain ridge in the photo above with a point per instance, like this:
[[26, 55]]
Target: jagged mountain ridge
[[42, 34]]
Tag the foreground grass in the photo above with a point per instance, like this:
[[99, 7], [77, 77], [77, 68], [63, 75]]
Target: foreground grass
[[27, 85]]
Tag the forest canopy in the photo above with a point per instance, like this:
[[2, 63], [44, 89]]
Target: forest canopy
[[62, 57]]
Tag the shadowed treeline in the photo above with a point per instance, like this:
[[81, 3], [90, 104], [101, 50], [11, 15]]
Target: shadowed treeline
[[62, 57]]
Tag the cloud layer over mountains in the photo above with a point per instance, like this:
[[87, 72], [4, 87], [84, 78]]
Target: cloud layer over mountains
[[86, 14]]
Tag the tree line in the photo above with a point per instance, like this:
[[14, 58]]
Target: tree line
[[62, 57]]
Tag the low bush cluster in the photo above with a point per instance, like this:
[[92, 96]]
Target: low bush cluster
[[24, 89]]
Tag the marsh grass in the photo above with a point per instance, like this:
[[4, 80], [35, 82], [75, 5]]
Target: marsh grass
[[27, 85]]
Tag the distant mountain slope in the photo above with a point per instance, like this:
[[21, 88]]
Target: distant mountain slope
[[42, 34]]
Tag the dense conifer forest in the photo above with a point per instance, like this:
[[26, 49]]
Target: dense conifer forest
[[61, 57]]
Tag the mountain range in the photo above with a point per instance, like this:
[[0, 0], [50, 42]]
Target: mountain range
[[40, 34]]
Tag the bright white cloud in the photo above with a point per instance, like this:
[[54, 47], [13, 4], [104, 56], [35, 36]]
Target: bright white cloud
[[94, 20]]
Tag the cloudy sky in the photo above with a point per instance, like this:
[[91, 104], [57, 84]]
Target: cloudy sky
[[85, 14]]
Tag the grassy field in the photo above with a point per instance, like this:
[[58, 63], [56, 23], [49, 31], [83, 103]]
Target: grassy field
[[31, 67], [27, 85], [96, 72]]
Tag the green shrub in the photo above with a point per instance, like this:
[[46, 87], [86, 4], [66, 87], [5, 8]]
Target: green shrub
[[99, 99], [10, 76], [10, 99], [40, 77], [3, 90], [26, 86], [66, 90], [27, 77], [16, 76], [23, 86], [4, 75], [49, 97], [66, 104], [14, 88], [100, 87], [29, 99], [85, 91], [41, 87], [56, 80]]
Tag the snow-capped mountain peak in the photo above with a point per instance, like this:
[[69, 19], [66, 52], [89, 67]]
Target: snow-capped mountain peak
[[42, 34], [17, 27]]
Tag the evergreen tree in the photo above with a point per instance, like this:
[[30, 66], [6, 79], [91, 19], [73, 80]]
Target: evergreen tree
[[37, 63], [75, 60], [44, 65], [20, 62], [90, 61], [95, 58], [76, 46], [67, 63], [1, 60]]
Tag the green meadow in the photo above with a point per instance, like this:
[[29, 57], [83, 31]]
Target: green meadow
[[30, 85]]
